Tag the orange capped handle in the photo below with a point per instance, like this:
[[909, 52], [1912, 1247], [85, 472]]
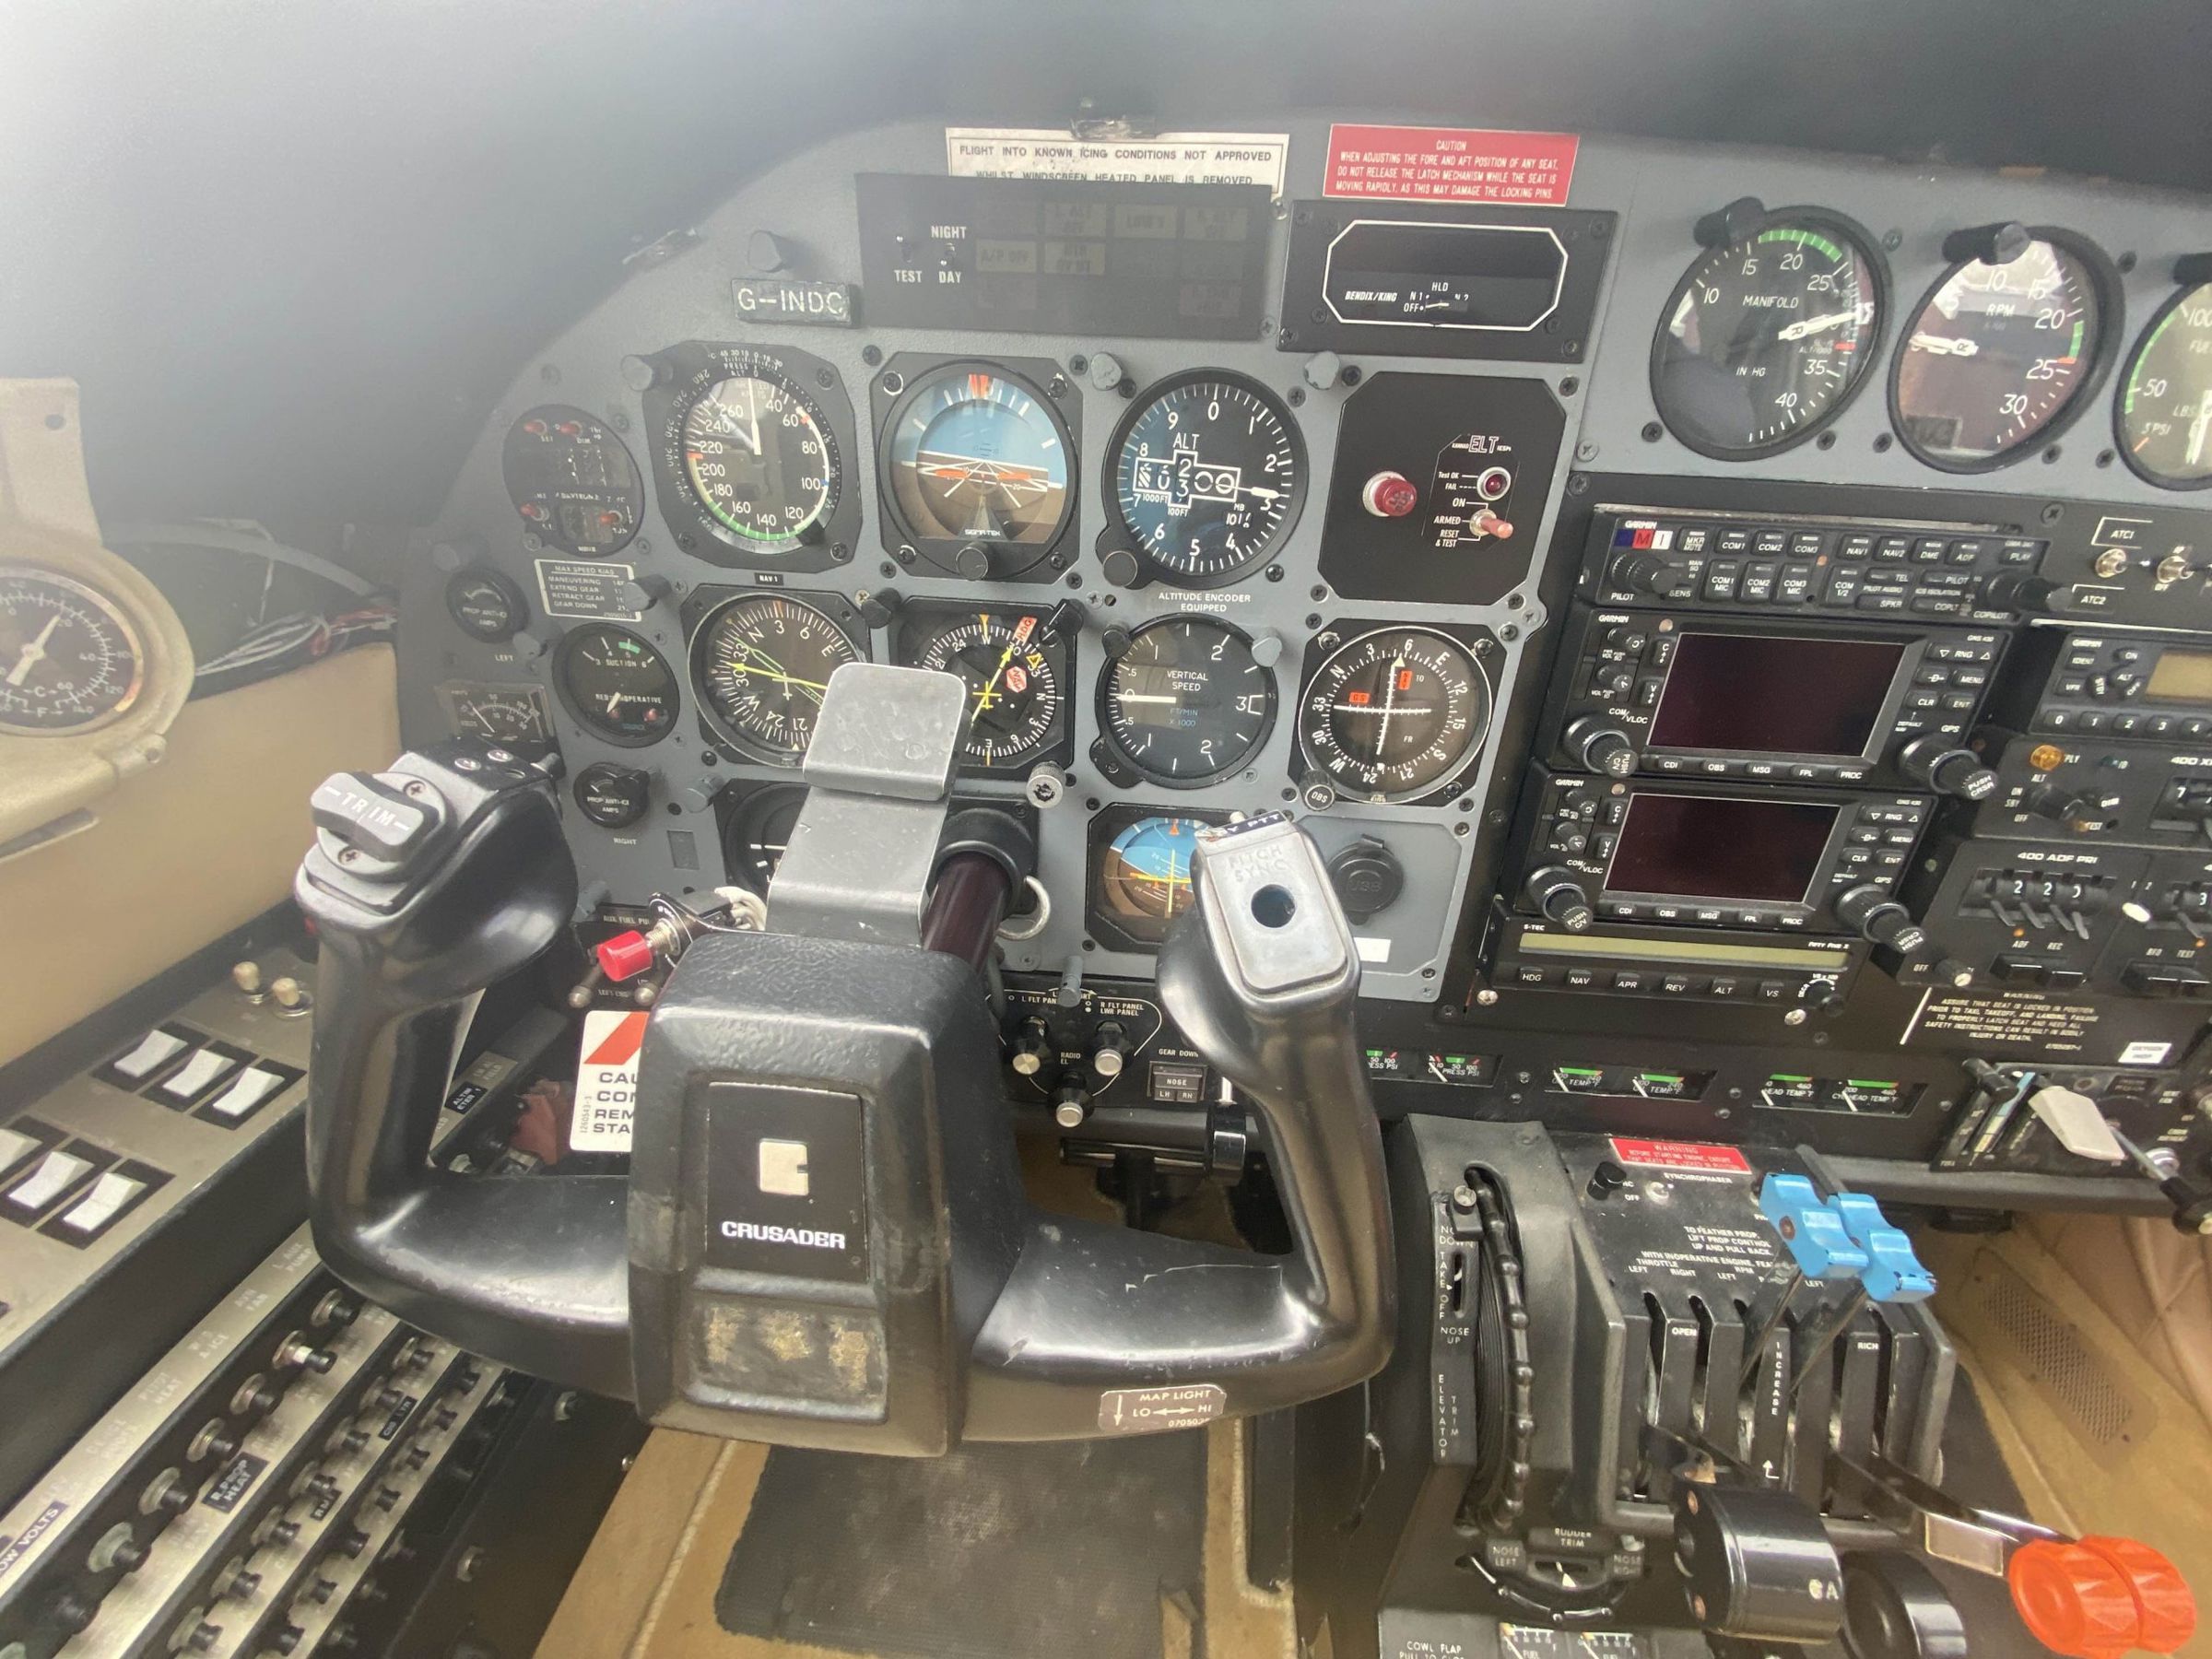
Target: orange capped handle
[[2074, 1600], [2166, 1609]]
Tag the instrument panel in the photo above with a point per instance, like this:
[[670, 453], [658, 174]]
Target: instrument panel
[[1643, 553]]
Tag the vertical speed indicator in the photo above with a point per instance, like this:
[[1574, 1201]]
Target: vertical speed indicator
[[1207, 473]]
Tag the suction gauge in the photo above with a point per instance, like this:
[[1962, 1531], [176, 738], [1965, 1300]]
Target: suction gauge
[[617, 686], [1768, 336]]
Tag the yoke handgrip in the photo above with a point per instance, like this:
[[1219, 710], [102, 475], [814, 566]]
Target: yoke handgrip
[[1262, 975], [426, 883]]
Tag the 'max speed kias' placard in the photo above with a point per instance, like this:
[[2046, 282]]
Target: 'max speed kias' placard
[[1185, 262]]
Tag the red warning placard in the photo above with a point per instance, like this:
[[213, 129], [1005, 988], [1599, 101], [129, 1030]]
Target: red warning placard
[[1681, 1155], [1450, 164]]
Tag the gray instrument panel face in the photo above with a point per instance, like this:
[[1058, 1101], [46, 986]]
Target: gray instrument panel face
[[1658, 193]]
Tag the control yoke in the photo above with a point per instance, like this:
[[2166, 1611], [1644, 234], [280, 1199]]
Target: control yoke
[[823, 1239]]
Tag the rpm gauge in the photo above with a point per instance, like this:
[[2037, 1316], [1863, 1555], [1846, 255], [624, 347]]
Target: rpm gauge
[[69, 658], [1187, 702], [975, 455], [616, 685], [1207, 474], [758, 456], [1998, 356], [2165, 409], [1395, 714], [1015, 669], [1767, 337], [763, 663]]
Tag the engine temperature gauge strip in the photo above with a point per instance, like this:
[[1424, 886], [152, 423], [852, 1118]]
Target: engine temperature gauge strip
[[512, 716]]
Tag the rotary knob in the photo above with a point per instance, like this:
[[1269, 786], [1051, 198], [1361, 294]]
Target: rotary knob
[[2067, 806], [1648, 574], [1031, 1049], [1601, 746], [1121, 567], [1934, 759], [1110, 1049], [1071, 1105], [2018, 590], [1557, 893], [1876, 917]]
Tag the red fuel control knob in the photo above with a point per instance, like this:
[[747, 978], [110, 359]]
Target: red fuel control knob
[[625, 956], [2074, 1600], [2163, 1596], [1390, 495]]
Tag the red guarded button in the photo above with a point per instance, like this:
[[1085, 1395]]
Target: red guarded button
[[624, 957], [1391, 495], [2073, 1600], [2163, 1596]]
